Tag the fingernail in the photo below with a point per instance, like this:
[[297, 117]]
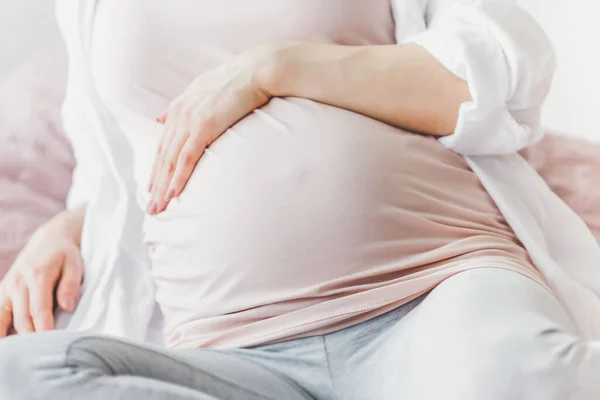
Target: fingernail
[[68, 303], [151, 208]]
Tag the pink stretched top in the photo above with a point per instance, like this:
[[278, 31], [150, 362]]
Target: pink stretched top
[[303, 218]]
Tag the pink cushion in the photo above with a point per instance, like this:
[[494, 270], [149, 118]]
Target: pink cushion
[[35, 158], [36, 161], [572, 169]]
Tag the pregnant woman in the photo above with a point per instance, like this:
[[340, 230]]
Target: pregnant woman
[[308, 235]]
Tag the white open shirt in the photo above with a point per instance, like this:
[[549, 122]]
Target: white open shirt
[[493, 44]]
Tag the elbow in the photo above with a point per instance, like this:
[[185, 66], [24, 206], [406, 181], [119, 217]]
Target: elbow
[[451, 99]]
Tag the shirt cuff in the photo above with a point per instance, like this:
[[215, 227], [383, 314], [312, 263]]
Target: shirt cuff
[[508, 64]]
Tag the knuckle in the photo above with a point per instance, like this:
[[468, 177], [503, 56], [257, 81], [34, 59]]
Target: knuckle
[[206, 124], [41, 312], [176, 105], [186, 113], [182, 178], [199, 140], [170, 166], [162, 162], [17, 281], [37, 312], [39, 274], [73, 277], [72, 251], [196, 135], [187, 158], [171, 154], [69, 285]]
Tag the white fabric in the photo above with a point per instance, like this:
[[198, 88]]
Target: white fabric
[[493, 44], [509, 63], [471, 353], [118, 292]]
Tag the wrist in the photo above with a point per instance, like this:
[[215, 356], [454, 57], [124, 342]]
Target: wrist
[[303, 70], [71, 222], [276, 66]]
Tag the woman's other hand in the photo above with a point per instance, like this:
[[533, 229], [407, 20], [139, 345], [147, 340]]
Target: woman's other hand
[[50, 260], [213, 102]]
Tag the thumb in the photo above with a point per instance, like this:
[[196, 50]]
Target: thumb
[[70, 281]]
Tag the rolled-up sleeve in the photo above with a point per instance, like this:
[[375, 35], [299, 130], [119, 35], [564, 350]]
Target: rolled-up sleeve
[[508, 63]]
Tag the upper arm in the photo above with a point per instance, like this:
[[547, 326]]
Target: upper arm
[[508, 62]]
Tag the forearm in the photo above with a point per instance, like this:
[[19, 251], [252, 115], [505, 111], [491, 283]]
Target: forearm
[[402, 85], [73, 219]]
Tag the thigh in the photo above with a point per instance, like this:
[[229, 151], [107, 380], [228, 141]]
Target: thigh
[[69, 365], [487, 333]]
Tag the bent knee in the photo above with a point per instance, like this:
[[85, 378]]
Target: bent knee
[[32, 365], [14, 359], [527, 368], [495, 334], [24, 359], [515, 367]]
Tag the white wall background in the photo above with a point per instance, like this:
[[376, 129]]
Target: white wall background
[[25, 26], [573, 106], [573, 25]]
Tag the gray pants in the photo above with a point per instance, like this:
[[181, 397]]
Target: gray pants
[[484, 334]]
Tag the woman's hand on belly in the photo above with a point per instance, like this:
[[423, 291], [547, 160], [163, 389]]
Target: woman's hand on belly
[[401, 85], [213, 102]]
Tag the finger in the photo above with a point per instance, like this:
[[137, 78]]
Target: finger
[[159, 162], [69, 286], [41, 301], [188, 159], [174, 157], [164, 144], [159, 157], [20, 303], [154, 167], [161, 119], [169, 164], [6, 316], [154, 172], [160, 202]]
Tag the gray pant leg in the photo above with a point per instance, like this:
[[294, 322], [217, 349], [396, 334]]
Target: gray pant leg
[[60, 365]]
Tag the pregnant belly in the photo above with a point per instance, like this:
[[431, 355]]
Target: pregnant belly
[[300, 200]]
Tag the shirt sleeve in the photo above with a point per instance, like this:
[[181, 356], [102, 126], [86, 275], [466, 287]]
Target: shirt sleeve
[[76, 124], [508, 63], [85, 174]]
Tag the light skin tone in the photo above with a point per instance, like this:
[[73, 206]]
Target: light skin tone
[[51, 260], [402, 85]]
